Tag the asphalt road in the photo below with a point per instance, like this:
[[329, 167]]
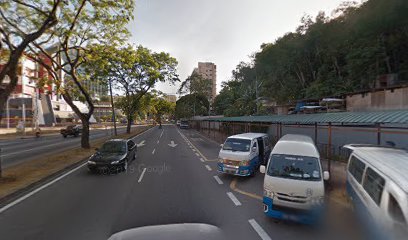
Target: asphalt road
[[166, 184], [15, 151]]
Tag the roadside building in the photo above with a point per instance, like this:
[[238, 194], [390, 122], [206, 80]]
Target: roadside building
[[389, 98], [44, 106], [208, 71]]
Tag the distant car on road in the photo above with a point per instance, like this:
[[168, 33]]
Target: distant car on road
[[114, 154], [184, 124], [71, 130]]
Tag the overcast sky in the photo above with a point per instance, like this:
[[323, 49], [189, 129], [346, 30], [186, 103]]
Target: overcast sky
[[225, 32]]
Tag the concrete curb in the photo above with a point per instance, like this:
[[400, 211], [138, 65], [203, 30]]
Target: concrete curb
[[25, 190]]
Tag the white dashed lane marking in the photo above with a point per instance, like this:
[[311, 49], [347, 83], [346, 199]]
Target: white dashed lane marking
[[234, 199], [218, 180], [259, 230]]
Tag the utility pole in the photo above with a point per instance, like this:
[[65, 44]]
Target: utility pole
[[113, 108], [8, 113], [23, 113], [256, 89]]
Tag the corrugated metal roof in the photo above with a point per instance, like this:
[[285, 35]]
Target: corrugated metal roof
[[400, 116]]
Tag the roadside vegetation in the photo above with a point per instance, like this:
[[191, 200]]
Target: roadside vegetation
[[69, 39], [325, 56]]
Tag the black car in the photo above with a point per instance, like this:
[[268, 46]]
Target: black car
[[114, 154], [71, 130]]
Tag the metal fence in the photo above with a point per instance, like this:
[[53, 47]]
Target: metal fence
[[329, 138]]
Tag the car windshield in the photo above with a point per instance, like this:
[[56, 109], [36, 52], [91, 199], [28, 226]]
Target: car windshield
[[294, 167], [184, 122], [113, 147], [236, 144]]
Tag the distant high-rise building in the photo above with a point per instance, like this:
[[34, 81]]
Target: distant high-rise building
[[208, 70]]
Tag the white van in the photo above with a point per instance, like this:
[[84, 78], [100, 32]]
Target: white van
[[293, 184], [243, 153], [377, 184]]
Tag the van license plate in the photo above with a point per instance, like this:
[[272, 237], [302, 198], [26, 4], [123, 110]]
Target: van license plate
[[230, 171]]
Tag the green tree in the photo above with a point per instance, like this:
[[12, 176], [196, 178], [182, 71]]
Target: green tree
[[326, 57], [195, 83], [82, 24], [136, 71], [191, 105], [21, 23]]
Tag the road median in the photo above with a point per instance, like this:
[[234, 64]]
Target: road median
[[22, 178]]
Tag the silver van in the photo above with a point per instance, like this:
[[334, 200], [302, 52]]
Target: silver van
[[377, 184]]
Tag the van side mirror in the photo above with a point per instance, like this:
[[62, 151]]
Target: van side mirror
[[221, 145], [262, 169], [326, 175]]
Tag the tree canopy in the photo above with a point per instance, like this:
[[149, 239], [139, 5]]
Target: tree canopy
[[326, 56]]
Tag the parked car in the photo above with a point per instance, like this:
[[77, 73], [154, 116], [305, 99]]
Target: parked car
[[114, 154], [377, 184], [184, 124], [293, 183], [242, 154], [71, 130]]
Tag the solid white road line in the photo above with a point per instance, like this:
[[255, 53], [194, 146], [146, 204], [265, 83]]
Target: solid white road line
[[39, 189], [208, 168], [141, 175], [161, 134], [154, 150], [259, 230], [233, 199], [218, 180], [202, 159], [50, 183]]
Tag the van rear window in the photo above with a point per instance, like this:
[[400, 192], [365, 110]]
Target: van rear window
[[356, 168]]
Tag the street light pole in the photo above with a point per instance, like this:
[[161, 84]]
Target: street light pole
[[113, 108]]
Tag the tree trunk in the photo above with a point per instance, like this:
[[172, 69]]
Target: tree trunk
[[129, 124], [85, 133], [84, 119]]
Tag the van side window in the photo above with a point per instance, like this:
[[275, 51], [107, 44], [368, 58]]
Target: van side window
[[395, 211], [374, 185], [356, 168]]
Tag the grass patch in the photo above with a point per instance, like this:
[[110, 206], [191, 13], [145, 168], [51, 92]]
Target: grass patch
[[22, 175]]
